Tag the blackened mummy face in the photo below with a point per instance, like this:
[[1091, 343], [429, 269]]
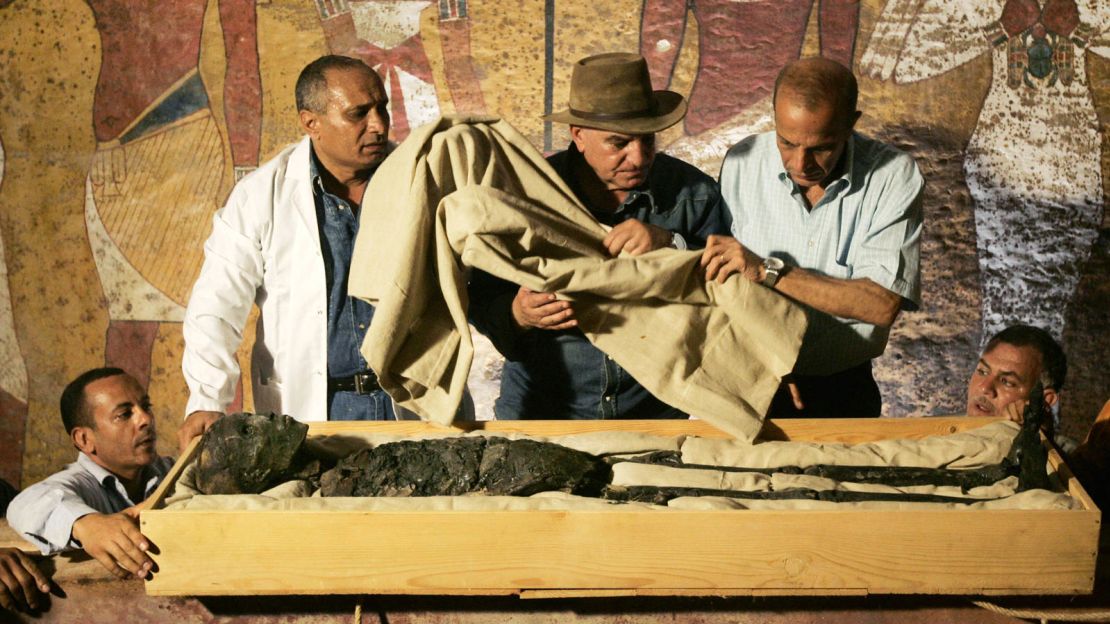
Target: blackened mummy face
[[248, 453]]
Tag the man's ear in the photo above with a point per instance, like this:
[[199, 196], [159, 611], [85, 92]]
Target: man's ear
[[1050, 397], [84, 438], [576, 136], [309, 122]]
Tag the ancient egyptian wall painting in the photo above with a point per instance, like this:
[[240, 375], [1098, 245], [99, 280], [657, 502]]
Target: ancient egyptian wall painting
[[160, 169], [386, 34], [13, 375], [121, 137], [730, 60], [1033, 162]]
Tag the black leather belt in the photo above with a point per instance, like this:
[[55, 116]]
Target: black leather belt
[[360, 383]]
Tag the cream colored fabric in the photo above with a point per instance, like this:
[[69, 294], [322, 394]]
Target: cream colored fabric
[[979, 447], [473, 193], [781, 482], [1032, 499], [600, 443], [550, 500], [630, 474], [984, 446]]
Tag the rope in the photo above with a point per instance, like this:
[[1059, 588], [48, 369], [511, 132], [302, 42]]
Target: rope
[[358, 610], [1046, 615]]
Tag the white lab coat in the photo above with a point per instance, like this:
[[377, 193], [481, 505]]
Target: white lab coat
[[264, 249]]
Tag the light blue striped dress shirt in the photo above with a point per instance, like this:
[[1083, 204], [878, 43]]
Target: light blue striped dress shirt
[[45, 512], [868, 225]]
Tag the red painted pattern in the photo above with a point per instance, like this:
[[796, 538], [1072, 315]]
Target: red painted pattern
[[409, 56], [1058, 16], [149, 46], [742, 45]]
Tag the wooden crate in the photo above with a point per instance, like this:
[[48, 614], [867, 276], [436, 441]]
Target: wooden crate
[[632, 552]]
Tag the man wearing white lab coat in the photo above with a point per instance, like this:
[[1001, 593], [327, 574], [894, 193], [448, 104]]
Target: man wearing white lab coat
[[283, 241]]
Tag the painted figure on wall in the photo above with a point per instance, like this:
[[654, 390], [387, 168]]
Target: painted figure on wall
[[742, 46], [1033, 161], [462, 79], [161, 166], [385, 34], [13, 373]]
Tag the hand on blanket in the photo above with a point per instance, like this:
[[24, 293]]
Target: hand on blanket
[[636, 237], [724, 255], [542, 311], [115, 541]]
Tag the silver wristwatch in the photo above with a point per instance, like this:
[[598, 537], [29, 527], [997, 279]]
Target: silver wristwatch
[[772, 269]]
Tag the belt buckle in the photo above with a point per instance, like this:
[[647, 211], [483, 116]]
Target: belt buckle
[[358, 377]]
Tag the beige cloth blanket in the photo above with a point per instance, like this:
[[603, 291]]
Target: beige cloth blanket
[[473, 193]]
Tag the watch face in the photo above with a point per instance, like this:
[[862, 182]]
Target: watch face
[[771, 268]]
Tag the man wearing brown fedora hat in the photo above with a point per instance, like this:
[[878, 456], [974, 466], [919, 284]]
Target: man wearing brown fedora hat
[[831, 219], [650, 201]]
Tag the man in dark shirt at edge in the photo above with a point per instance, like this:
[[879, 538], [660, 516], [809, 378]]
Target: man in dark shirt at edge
[[649, 200]]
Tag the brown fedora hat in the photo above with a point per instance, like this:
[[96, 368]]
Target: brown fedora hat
[[613, 92]]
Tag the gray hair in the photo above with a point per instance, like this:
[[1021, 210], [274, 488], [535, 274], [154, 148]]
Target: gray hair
[[313, 80]]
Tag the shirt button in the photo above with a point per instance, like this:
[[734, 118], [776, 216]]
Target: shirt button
[[362, 326], [609, 399], [811, 244]]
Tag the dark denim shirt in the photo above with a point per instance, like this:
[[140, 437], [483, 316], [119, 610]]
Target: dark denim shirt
[[677, 197], [560, 374], [348, 317]]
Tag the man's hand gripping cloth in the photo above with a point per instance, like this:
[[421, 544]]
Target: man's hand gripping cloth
[[473, 193]]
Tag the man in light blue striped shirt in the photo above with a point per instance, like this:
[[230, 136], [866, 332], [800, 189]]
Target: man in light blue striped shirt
[[831, 219], [91, 504]]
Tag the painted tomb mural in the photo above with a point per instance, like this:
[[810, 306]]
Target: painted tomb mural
[[1033, 161]]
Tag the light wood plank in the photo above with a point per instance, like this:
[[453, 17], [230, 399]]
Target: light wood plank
[[539, 594], [1067, 477], [905, 552], [154, 501]]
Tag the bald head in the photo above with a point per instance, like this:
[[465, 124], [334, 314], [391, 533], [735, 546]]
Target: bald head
[[816, 82], [312, 84]]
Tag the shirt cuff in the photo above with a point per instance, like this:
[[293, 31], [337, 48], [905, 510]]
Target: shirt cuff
[[894, 283], [58, 532], [199, 403]]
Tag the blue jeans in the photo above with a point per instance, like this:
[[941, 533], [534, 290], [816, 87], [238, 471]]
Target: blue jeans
[[354, 406], [562, 376]]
